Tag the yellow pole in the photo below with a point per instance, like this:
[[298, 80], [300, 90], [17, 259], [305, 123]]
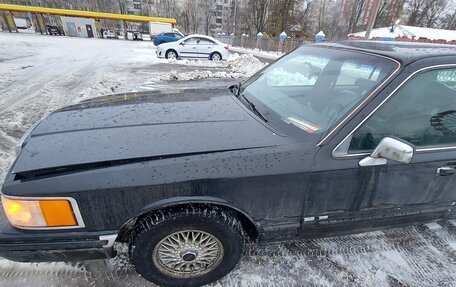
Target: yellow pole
[[85, 14], [5, 19]]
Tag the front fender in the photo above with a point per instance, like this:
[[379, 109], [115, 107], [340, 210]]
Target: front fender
[[183, 200], [180, 200]]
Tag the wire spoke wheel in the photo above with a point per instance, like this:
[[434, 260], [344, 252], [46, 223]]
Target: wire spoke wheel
[[188, 253]]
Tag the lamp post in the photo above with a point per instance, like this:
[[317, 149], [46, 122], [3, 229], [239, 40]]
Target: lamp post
[[234, 19]]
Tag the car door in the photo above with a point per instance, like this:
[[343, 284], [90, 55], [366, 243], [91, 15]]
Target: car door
[[168, 37], [205, 48], [189, 48], [344, 196]]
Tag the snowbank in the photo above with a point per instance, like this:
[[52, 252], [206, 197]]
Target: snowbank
[[235, 67], [270, 55], [410, 31]]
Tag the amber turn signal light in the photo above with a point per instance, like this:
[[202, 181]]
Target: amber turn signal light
[[40, 213]]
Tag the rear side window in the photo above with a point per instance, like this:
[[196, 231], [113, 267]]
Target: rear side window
[[203, 41], [423, 112], [168, 34]]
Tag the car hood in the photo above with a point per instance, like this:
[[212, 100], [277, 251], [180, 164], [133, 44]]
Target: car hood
[[143, 126]]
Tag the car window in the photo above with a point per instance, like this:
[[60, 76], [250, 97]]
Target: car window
[[178, 36], [203, 41], [423, 112], [191, 41], [299, 71], [354, 73], [168, 34], [307, 88]]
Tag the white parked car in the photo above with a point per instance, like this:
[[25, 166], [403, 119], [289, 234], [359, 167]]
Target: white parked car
[[108, 34], [195, 47]]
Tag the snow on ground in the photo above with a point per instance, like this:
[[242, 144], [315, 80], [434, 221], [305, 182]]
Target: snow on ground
[[269, 55], [235, 67], [41, 73]]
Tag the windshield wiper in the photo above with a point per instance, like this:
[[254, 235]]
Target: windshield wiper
[[253, 108]]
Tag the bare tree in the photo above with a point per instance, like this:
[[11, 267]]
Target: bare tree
[[280, 14], [206, 8], [449, 21], [326, 19], [435, 12], [191, 16], [426, 13], [259, 12], [355, 15]]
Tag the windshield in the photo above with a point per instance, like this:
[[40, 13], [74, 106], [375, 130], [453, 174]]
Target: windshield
[[312, 87]]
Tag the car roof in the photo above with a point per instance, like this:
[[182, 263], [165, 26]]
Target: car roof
[[201, 36], [404, 52]]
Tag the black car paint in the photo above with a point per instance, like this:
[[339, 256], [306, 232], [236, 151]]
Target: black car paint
[[380, 195], [261, 162], [286, 184]]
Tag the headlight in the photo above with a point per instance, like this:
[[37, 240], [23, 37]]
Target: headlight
[[40, 213]]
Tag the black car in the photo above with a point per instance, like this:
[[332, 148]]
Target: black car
[[329, 139], [55, 30]]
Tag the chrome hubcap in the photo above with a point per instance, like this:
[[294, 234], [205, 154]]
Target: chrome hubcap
[[188, 253], [215, 57], [171, 55]]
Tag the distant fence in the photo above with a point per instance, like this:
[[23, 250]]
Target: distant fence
[[263, 45], [273, 45]]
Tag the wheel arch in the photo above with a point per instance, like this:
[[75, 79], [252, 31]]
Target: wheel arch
[[247, 222], [171, 49], [217, 52]]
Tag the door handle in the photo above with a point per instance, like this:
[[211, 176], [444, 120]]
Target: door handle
[[446, 170]]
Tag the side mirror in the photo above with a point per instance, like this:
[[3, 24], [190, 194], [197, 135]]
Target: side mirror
[[232, 88], [389, 148], [181, 43]]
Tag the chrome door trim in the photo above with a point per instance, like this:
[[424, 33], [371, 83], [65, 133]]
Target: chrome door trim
[[366, 99], [379, 105], [435, 148]]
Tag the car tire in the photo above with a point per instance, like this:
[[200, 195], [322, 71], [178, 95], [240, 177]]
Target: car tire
[[216, 56], [169, 54], [210, 244]]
